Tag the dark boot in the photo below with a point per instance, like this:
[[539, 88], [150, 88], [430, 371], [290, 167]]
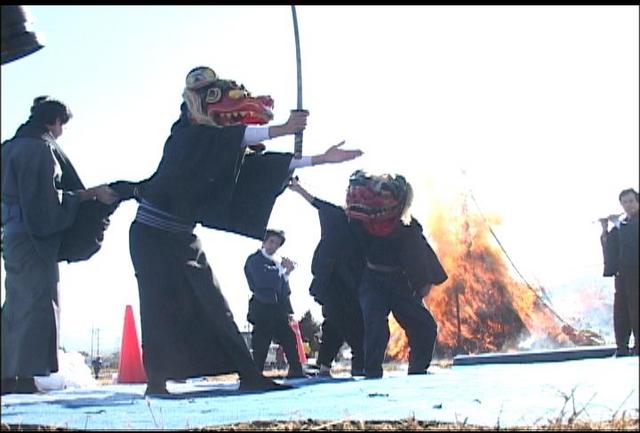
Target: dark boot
[[296, 371], [26, 385], [357, 371], [8, 386], [156, 387], [298, 375], [357, 366], [622, 351], [260, 383]]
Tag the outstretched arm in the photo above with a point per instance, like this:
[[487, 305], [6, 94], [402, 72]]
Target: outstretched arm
[[254, 135], [294, 185], [335, 155], [331, 156], [297, 122]]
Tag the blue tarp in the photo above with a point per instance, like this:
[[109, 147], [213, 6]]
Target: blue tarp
[[505, 395]]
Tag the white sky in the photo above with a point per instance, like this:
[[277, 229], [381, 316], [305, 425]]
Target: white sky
[[538, 104]]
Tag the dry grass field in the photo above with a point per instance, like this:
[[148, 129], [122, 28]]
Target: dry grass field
[[620, 424]]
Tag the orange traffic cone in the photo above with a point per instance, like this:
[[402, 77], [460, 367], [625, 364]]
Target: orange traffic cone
[[130, 369], [300, 345]]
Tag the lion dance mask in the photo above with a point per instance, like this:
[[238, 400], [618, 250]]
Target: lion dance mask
[[220, 102], [379, 201]]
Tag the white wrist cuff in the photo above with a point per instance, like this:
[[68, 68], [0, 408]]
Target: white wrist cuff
[[305, 161], [255, 134]]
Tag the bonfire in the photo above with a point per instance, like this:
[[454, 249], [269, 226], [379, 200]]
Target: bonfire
[[483, 307]]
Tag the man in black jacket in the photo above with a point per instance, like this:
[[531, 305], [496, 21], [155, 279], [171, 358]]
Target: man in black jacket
[[270, 307], [620, 249]]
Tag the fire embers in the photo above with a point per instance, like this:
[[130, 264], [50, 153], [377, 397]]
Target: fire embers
[[481, 308]]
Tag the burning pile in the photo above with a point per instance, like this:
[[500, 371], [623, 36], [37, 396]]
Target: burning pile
[[481, 308]]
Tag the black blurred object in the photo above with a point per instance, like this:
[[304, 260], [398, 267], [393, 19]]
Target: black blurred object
[[263, 177], [96, 364], [84, 238], [611, 253], [257, 147], [17, 38], [125, 190]]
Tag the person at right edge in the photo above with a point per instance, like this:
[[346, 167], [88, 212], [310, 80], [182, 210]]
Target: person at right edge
[[620, 250]]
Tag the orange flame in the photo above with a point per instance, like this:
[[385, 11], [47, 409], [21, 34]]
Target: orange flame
[[481, 308]]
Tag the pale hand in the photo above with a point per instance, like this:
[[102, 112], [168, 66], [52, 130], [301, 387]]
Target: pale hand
[[294, 184], [106, 195], [103, 194], [288, 264], [335, 154], [297, 122], [604, 222]]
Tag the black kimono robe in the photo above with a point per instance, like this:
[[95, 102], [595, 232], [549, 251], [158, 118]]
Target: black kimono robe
[[44, 223], [203, 177], [337, 254], [337, 266], [36, 211]]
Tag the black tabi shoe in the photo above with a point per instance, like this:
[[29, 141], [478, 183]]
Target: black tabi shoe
[[297, 373], [622, 351], [261, 383], [8, 386], [26, 386], [357, 372], [156, 388]]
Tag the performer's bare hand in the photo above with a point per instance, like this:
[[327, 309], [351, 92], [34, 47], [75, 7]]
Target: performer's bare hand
[[106, 195], [294, 185], [297, 122], [102, 193], [334, 154]]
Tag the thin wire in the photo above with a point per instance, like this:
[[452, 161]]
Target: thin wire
[[535, 292]]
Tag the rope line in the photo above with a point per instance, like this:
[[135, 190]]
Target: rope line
[[535, 292]]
